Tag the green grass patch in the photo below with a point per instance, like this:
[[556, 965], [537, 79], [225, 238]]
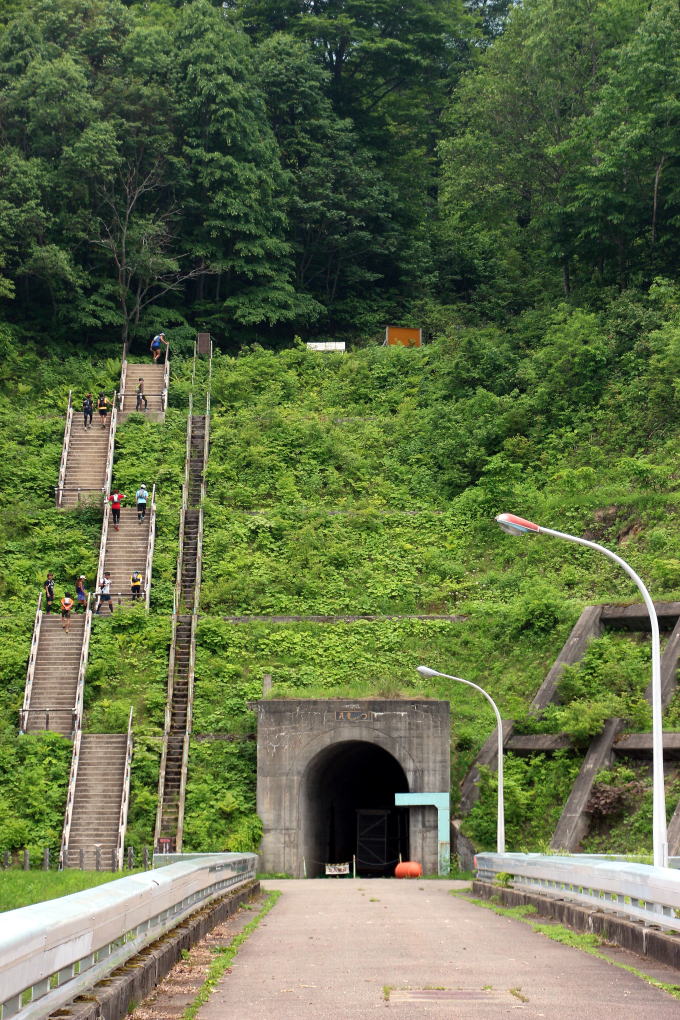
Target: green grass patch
[[21, 888]]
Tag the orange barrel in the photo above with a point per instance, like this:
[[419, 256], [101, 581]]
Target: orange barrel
[[408, 869]]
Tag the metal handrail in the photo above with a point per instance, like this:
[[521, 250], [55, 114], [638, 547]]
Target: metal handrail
[[70, 799], [150, 547], [64, 450], [166, 731], [187, 734], [82, 667], [102, 543], [125, 799], [30, 671], [112, 442], [166, 380], [123, 376]]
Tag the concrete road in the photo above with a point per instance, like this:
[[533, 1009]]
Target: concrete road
[[339, 948]]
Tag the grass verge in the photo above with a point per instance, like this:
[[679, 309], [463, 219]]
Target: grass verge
[[21, 888], [224, 957]]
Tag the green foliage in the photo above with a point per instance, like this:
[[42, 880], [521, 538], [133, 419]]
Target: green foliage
[[536, 789], [220, 800], [21, 888], [34, 772]]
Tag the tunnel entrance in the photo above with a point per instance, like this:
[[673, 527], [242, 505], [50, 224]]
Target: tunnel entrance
[[348, 809]]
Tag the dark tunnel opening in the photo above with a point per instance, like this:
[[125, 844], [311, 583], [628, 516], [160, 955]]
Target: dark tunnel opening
[[348, 809]]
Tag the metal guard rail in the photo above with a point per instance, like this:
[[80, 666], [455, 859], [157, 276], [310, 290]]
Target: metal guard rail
[[102, 543], [166, 380], [640, 892], [76, 940], [30, 672], [64, 450], [125, 800]]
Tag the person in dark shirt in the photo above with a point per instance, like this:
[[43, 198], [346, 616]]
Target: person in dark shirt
[[48, 585], [88, 407]]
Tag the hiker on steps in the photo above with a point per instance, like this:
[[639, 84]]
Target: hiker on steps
[[66, 607], [115, 499], [104, 593], [103, 405], [88, 408], [48, 585], [81, 594], [156, 346], [141, 398], [142, 497], [136, 585]]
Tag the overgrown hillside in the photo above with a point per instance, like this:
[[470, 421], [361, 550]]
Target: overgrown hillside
[[474, 168]]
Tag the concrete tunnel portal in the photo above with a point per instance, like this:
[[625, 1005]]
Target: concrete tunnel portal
[[347, 809], [327, 775]]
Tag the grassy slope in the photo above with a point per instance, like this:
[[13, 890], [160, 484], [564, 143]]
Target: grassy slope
[[315, 461]]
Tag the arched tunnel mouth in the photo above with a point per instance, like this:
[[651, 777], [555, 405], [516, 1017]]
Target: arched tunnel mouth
[[348, 810]]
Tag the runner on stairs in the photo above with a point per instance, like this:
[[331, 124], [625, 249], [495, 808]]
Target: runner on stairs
[[115, 499]]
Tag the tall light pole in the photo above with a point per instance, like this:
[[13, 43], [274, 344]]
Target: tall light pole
[[500, 817], [519, 526]]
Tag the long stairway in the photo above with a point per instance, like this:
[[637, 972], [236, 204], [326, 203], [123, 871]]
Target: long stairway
[[55, 678], [126, 550], [97, 802], [169, 821], [154, 379], [86, 461]]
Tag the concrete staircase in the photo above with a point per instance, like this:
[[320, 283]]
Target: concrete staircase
[[126, 551], [97, 800], [55, 680], [86, 461], [153, 376]]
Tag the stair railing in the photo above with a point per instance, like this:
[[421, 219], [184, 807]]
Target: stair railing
[[166, 381], [59, 491], [123, 376], [125, 798], [112, 443], [187, 734], [30, 672], [82, 668], [70, 800], [183, 509], [102, 544], [149, 548], [166, 725]]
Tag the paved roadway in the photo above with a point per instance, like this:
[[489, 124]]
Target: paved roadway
[[339, 949]]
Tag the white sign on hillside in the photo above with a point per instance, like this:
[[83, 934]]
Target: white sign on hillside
[[327, 345]]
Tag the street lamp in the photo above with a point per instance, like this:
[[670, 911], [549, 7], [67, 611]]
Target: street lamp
[[500, 818], [519, 526]]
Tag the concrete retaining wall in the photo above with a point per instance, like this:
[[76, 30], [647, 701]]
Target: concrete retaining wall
[[657, 945]]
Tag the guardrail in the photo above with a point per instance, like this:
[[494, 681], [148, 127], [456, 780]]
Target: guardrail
[[123, 376], [125, 802], [51, 952], [149, 548], [59, 491], [30, 672], [639, 892], [70, 798]]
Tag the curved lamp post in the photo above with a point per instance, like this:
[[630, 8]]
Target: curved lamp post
[[519, 526], [500, 819]]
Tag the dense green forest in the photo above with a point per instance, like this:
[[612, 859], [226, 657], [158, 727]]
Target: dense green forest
[[505, 176]]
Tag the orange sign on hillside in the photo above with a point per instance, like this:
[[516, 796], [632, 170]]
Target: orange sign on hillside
[[403, 336]]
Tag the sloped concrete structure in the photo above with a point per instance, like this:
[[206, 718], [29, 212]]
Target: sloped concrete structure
[[327, 773]]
